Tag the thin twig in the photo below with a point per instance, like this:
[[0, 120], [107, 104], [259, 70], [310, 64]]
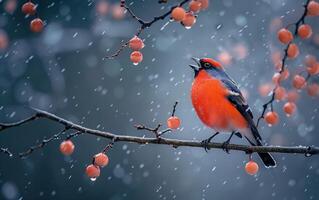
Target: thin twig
[[42, 144], [72, 135], [109, 146], [307, 150], [174, 108], [155, 130]]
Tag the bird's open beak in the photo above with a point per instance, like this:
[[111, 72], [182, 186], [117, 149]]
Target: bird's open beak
[[196, 67]]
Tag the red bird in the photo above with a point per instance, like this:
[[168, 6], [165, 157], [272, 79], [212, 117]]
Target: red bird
[[221, 106]]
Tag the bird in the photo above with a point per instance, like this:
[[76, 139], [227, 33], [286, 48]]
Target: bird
[[221, 106]]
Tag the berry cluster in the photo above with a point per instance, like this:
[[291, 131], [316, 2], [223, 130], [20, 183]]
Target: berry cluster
[[178, 14], [188, 19], [103, 8], [93, 170], [299, 81], [136, 44], [36, 25], [99, 160]]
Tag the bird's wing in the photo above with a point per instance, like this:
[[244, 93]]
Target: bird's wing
[[236, 98]]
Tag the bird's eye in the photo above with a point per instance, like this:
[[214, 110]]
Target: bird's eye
[[207, 65]]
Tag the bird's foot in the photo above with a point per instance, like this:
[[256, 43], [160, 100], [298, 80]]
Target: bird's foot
[[205, 143], [226, 143], [225, 146]]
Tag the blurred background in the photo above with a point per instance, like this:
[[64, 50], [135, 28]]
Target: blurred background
[[62, 70]]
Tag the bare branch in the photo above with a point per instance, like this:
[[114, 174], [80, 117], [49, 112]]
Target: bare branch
[[4, 126], [307, 150], [42, 144]]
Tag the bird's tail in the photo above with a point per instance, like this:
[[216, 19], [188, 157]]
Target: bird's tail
[[267, 158]]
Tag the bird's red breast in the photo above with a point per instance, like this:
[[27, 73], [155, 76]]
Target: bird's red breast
[[209, 98]]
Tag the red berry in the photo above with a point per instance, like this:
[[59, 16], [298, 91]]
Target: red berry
[[314, 69], [118, 12], [136, 43], [251, 168], [310, 60], [271, 118], [280, 93], [4, 41], [225, 57], [29, 8], [195, 6], [298, 82], [178, 14], [189, 20], [289, 108], [204, 4], [285, 36], [265, 89], [284, 74], [92, 171], [101, 160], [313, 8], [313, 90], [136, 57], [67, 147], [292, 96], [293, 51], [276, 78], [304, 31], [36, 25], [173, 122], [102, 7], [10, 6]]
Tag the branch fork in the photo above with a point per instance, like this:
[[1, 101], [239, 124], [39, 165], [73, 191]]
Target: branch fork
[[155, 130]]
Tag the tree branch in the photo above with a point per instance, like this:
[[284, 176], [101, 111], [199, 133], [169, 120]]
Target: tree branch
[[300, 21], [43, 143], [143, 24], [307, 150]]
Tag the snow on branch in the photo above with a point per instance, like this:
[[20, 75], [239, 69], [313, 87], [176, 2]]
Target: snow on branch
[[68, 125]]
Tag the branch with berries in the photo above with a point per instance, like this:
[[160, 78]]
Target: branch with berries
[[187, 19], [177, 14], [285, 36], [101, 159], [30, 9]]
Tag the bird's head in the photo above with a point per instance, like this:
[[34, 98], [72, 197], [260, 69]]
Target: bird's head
[[207, 64]]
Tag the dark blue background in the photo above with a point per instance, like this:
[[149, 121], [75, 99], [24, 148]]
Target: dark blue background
[[61, 70]]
